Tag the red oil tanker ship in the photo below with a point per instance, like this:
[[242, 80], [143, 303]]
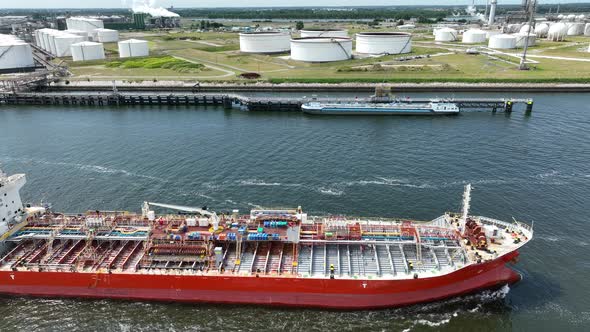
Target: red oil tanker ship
[[271, 256]]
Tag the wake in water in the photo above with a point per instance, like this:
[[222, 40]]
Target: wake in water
[[437, 314], [85, 167]]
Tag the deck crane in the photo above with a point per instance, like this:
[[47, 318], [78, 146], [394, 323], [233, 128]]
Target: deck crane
[[211, 214]]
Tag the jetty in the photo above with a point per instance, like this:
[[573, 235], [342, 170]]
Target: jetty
[[228, 101]]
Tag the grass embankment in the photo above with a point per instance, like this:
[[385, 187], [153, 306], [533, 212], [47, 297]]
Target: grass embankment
[[163, 62]]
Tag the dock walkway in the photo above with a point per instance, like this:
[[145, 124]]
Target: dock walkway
[[281, 104]]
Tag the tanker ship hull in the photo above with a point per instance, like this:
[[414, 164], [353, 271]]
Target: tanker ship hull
[[341, 294], [277, 257]]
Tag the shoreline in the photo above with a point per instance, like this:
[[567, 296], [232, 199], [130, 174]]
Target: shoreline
[[177, 86]]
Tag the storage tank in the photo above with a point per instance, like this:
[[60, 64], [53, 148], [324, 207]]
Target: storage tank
[[107, 35], [502, 41], [383, 42], [64, 42], [526, 28], [307, 33], [40, 41], [36, 37], [86, 50], [522, 38], [15, 54], [51, 34], [541, 30], [474, 36], [445, 35], [575, 29], [44, 33], [581, 17], [557, 32], [78, 33], [571, 17], [490, 33], [587, 29], [133, 47], [265, 42], [512, 28], [321, 49], [84, 23]]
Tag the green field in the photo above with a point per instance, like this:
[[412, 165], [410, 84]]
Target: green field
[[215, 56]]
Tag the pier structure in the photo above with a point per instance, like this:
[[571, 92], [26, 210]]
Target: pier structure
[[275, 104]]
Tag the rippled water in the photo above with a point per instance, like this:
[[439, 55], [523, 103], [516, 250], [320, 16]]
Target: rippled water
[[532, 168]]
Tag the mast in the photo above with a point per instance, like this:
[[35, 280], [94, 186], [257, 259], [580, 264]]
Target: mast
[[466, 204], [530, 10]]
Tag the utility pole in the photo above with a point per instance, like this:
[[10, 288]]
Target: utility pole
[[530, 9]]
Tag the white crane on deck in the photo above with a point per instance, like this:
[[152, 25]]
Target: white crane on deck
[[466, 205], [211, 214]]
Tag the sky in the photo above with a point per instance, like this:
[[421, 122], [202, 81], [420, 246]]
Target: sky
[[247, 3]]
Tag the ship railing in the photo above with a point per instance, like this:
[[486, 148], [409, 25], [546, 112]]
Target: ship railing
[[516, 225], [383, 242]]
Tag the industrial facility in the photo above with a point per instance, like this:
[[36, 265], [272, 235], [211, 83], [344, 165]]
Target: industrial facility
[[263, 49]]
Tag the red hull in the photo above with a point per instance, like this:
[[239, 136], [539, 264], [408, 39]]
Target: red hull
[[281, 291]]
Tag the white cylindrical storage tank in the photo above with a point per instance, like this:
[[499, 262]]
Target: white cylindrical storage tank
[[321, 49], [490, 33], [133, 47], [571, 17], [45, 42], [84, 24], [522, 38], [542, 29], [107, 35], [383, 42], [78, 33], [557, 32], [502, 41], [513, 28], [575, 29], [265, 42], [581, 17], [474, 36], [15, 54], [51, 41], [445, 35], [40, 38], [339, 33], [36, 37], [64, 42], [87, 51], [587, 29]]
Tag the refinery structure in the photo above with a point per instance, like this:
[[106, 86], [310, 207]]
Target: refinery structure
[[30, 45]]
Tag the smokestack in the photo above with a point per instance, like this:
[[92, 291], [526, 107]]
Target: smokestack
[[492, 12]]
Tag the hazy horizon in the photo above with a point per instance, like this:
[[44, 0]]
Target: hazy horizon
[[43, 4]]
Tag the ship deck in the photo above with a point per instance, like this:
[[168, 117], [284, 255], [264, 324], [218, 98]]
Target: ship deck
[[326, 247]]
